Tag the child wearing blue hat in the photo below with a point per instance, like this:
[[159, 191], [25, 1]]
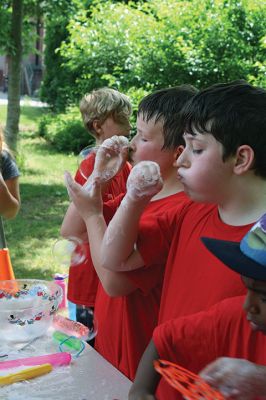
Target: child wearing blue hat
[[229, 338]]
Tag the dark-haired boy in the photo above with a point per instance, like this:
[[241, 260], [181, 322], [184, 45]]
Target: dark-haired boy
[[223, 169], [127, 303], [225, 330]]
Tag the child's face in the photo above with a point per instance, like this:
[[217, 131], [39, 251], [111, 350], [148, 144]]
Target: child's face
[[201, 169], [147, 145], [110, 128], [255, 304]]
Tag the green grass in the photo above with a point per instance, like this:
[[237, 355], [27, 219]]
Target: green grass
[[28, 118], [31, 235]]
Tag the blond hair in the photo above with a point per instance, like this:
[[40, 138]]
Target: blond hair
[[103, 103], [1, 139], [3, 145]]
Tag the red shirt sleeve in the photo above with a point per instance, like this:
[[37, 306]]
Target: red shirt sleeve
[[85, 169], [188, 341], [198, 339]]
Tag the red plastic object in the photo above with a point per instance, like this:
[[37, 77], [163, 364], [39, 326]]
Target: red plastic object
[[190, 385]]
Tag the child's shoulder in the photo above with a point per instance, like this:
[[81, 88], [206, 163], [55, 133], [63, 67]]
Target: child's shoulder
[[201, 219], [192, 213], [8, 166]]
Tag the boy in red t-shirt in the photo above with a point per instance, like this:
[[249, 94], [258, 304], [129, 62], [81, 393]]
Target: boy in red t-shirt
[[127, 303], [223, 169], [225, 330], [105, 112]]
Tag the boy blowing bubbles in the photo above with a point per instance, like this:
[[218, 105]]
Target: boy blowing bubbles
[[235, 327], [135, 307], [223, 163], [105, 112], [224, 166]]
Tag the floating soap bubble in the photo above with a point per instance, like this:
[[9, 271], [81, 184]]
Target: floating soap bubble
[[86, 159], [71, 251], [106, 160]]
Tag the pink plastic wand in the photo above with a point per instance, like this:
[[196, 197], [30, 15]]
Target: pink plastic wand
[[55, 359]]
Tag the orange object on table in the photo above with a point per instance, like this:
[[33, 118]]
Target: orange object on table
[[6, 269], [190, 385]]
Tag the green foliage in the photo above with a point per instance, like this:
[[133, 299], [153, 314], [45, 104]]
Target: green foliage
[[57, 81], [65, 131], [109, 56], [4, 24], [44, 200], [29, 36], [135, 95], [158, 44]]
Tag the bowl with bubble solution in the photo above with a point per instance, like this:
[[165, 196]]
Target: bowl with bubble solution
[[27, 307]]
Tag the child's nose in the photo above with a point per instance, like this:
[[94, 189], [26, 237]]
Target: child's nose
[[182, 160], [250, 304]]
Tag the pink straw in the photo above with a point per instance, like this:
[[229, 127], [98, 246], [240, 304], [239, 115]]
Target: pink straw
[[55, 359]]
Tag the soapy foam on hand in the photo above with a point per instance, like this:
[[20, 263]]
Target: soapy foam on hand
[[144, 180], [110, 158]]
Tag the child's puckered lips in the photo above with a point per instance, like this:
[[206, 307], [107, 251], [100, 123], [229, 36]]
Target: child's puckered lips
[[179, 177], [255, 326]]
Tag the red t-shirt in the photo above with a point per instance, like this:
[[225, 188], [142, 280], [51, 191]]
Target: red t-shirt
[[196, 340], [126, 323], [194, 278], [83, 280]]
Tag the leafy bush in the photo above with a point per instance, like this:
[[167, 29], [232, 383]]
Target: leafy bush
[[57, 81], [161, 43], [65, 131]]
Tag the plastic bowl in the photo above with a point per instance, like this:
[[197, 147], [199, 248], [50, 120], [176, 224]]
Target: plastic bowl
[[27, 307]]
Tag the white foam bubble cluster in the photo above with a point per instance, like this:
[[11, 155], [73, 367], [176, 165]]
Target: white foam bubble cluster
[[144, 180]]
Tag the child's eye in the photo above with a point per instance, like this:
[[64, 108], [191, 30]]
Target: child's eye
[[144, 140], [197, 151]]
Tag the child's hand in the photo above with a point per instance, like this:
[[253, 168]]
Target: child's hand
[[144, 180], [236, 379], [110, 157], [87, 203]]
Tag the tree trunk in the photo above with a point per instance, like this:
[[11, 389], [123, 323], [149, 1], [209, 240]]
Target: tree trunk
[[14, 75]]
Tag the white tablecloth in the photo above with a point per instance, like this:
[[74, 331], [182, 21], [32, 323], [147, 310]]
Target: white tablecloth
[[89, 377]]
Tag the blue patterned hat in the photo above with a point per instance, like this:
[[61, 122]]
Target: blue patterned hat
[[248, 257]]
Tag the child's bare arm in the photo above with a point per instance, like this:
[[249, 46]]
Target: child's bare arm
[[9, 197], [118, 252], [89, 205], [147, 379], [73, 225]]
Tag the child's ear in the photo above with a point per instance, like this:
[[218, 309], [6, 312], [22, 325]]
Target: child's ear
[[244, 159], [177, 153], [97, 127]]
